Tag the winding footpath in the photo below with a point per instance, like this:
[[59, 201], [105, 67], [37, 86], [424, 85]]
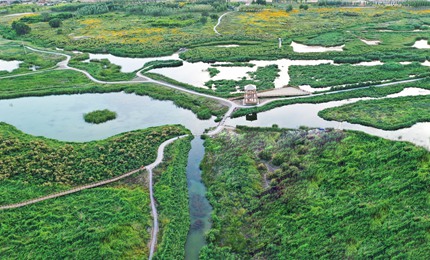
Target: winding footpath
[[67, 192], [219, 21], [160, 155]]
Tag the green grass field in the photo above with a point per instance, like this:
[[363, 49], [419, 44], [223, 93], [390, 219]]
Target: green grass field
[[98, 223]]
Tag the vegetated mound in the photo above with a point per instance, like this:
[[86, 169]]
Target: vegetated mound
[[99, 116], [35, 166], [387, 114], [315, 194]]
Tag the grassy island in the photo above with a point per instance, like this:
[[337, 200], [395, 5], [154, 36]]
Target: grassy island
[[387, 114], [99, 116]]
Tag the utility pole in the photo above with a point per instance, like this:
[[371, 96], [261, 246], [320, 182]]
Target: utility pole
[[25, 51]]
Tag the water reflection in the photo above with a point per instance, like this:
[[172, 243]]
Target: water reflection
[[61, 117]]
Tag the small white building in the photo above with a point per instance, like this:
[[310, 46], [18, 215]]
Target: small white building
[[250, 97]]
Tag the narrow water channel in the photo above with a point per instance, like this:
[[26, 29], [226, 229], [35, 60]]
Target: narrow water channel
[[200, 209]]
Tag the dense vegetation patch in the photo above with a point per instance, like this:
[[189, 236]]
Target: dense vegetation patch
[[34, 162], [329, 75], [171, 193], [155, 64], [96, 223], [111, 222], [99, 116], [213, 72], [388, 113], [315, 194]]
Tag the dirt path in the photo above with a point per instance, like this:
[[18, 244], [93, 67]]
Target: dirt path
[[219, 21], [160, 156], [89, 186]]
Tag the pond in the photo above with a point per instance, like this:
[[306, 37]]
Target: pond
[[61, 117], [301, 48], [9, 66]]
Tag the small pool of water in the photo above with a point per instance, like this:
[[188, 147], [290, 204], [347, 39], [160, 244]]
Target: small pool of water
[[421, 44], [129, 64], [301, 48], [228, 46], [371, 42], [9, 66], [410, 92], [369, 63]]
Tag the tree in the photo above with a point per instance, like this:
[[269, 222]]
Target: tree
[[214, 16], [203, 19], [304, 7], [45, 17], [261, 2], [20, 28], [55, 23], [289, 8]]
